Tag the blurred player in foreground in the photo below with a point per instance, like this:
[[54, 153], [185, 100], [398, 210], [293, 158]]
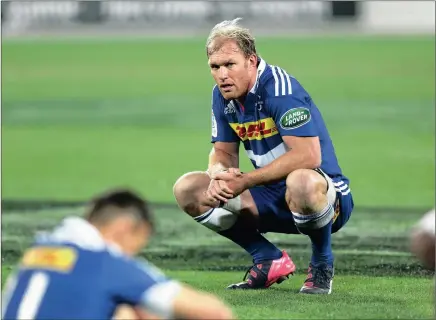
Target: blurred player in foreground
[[423, 239], [297, 185], [85, 269]]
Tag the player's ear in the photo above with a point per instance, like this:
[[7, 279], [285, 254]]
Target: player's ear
[[252, 60]]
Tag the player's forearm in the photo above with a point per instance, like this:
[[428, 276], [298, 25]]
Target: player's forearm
[[282, 166], [220, 160]]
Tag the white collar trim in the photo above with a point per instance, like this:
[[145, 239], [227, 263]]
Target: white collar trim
[[260, 69], [78, 231]]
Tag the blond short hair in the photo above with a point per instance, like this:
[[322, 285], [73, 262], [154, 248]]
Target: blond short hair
[[230, 30]]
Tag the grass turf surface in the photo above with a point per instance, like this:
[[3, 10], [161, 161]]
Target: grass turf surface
[[376, 277], [78, 117], [355, 297]]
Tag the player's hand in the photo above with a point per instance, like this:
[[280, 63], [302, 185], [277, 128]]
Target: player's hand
[[235, 181], [218, 191], [236, 171], [213, 174]]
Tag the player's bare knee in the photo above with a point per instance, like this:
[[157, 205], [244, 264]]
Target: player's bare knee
[[188, 189], [306, 191]]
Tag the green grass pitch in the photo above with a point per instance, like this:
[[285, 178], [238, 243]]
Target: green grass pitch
[[81, 116]]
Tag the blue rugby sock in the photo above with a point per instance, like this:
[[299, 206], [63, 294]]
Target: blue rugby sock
[[240, 233], [321, 238], [322, 245], [253, 242]]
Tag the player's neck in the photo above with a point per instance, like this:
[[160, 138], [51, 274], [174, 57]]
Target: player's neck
[[111, 239], [251, 84], [241, 101]]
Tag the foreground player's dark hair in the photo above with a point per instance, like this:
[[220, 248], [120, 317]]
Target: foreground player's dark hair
[[107, 206]]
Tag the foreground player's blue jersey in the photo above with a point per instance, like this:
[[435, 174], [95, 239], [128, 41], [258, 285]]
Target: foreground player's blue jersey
[[276, 106], [73, 274]]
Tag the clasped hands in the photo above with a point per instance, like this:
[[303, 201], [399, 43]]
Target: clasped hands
[[225, 185]]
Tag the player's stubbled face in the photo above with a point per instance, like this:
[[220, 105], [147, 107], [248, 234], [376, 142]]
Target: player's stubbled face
[[233, 73]]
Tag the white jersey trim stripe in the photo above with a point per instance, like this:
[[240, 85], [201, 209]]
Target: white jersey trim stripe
[[346, 192], [342, 188], [270, 156], [282, 82], [288, 80], [276, 81]]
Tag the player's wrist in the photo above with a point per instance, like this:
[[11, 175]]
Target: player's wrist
[[249, 180], [213, 170]]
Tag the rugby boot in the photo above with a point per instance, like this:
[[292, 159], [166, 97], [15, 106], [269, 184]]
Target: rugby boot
[[319, 280], [264, 274]]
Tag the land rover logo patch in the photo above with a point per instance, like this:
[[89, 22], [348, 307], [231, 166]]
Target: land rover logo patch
[[295, 118]]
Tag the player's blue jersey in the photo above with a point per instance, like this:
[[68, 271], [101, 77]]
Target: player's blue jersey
[[73, 274], [276, 106]]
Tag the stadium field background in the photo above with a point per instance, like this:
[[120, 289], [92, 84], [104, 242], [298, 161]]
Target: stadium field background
[[81, 116]]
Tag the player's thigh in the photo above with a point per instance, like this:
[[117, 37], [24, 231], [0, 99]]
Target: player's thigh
[[340, 197], [273, 212], [343, 208]]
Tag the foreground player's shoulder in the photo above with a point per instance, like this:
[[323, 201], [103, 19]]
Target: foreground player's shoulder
[[133, 267], [149, 269], [144, 285], [138, 276]]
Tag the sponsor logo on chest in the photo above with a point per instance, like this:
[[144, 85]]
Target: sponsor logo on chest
[[256, 130]]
